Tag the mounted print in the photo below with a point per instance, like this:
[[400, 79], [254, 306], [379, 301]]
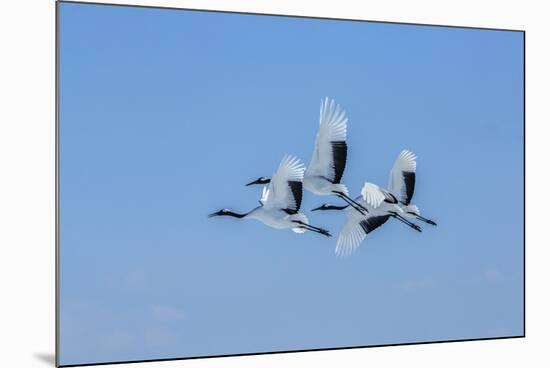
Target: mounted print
[[233, 184]]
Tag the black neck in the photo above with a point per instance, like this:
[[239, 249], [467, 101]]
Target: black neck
[[333, 207], [234, 214]]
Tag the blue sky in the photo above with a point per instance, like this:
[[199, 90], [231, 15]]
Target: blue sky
[[165, 115]]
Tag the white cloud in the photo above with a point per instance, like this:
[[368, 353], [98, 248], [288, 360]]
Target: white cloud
[[167, 313], [418, 284], [92, 331], [117, 341], [136, 279]]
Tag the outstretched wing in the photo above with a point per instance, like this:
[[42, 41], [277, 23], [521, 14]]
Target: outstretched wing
[[331, 150], [355, 229], [373, 195], [285, 189], [403, 176]]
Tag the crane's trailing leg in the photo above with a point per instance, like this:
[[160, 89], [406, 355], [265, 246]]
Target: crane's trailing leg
[[405, 221], [321, 231], [428, 221], [303, 225], [351, 202]]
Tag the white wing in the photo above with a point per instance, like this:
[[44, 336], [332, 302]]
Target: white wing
[[351, 234], [403, 176], [373, 194], [330, 151], [355, 230], [265, 195], [413, 208], [285, 189]]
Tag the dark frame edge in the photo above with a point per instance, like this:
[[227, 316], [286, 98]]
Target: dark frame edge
[[524, 185], [57, 155]]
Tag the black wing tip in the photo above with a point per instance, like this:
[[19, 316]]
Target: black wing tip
[[290, 211], [390, 198], [297, 191], [339, 158], [373, 223], [410, 178]]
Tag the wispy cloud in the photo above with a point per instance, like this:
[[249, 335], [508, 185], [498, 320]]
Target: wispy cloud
[[418, 284], [93, 331], [90, 332], [136, 279], [117, 341], [167, 313]]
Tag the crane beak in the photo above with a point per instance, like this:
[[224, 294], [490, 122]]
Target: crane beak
[[261, 180], [253, 182], [214, 214], [317, 209]]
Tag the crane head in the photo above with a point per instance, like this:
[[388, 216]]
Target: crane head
[[260, 180], [223, 212], [328, 207]]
